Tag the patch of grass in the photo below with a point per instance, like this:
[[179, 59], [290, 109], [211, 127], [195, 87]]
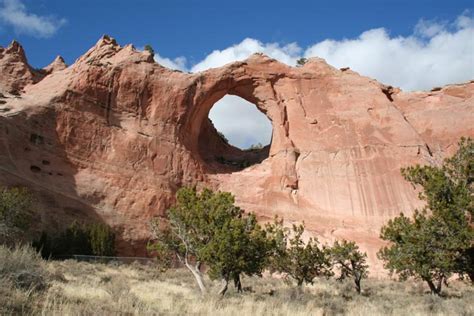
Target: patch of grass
[[22, 267], [77, 288], [23, 278]]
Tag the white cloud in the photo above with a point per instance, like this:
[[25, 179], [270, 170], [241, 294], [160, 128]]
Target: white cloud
[[436, 54], [287, 53], [241, 122], [465, 20], [427, 28], [178, 63], [15, 14]]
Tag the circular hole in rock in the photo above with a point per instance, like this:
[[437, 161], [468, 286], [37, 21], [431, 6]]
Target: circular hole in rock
[[35, 169], [235, 136]]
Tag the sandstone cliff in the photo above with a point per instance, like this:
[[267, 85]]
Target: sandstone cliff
[[113, 136]]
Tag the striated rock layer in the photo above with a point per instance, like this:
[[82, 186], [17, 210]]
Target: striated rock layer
[[113, 136]]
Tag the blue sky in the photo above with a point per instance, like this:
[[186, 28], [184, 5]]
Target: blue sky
[[411, 44], [194, 28]]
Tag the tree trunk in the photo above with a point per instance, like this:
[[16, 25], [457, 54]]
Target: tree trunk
[[357, 276], [357, 283], [224, 287], [299, 284], [440, 284], [237, 283], [198, 276], [436, 290]]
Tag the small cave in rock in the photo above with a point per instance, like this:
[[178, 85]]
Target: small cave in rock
[[236, 135], [35, 169], [36, 139]]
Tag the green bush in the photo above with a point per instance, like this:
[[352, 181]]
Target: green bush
[[93, 239], [102, 240], [253, 147], [300, 62], [73, 241], [300, 260], [150, 49], [222, 136]]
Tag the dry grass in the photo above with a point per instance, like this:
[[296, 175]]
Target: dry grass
[[78, 288]]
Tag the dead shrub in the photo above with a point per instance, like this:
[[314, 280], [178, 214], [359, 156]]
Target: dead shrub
[[23, 267]]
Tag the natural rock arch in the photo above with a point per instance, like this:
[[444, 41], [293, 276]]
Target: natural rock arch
[[220, 156], [129, 131], [257, 89]]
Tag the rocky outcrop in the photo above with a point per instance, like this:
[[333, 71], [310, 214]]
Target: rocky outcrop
[[58, 64], [113, 136], [15, 72]]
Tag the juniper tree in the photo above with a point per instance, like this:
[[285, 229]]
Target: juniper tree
[[300, 260], [150, 49], [239, 246], [300, 62], [186, 233], [350, 261], [208, 228], [438, 240]]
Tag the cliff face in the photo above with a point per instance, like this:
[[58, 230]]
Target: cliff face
[[113, 136]]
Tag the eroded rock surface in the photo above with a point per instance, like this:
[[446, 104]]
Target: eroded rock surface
[[113, 136]]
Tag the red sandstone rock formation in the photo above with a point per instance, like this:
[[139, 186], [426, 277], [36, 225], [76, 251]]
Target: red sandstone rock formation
[[15, 70], [58, 64], [114, 135]]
